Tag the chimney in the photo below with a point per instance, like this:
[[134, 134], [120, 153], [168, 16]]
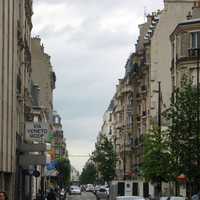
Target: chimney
[[189, 16], [196, 10]]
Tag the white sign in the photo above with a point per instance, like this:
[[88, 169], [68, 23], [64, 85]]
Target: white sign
[[36, 131]]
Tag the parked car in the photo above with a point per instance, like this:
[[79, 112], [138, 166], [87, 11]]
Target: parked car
[[130, 198], [172, 198], [102, 193], [74, 189], [89, 188]]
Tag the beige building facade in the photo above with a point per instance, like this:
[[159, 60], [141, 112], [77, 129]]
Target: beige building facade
[[136, 99], [185, 43], [160, 50], [15, 68], [43, 76]]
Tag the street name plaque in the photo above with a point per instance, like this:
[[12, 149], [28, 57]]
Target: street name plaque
[[36, 132]]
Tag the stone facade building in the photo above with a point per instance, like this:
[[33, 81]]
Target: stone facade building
[[160, 50], [135, 109], [43, 75], [185, 42], [58, 142], [15, 68]]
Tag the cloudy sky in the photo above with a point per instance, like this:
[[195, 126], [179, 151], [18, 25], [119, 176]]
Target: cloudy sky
[[89, 42]]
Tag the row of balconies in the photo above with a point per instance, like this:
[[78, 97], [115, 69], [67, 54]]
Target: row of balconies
[[28, 12], [142, 116], [132, 144], [192, 54]]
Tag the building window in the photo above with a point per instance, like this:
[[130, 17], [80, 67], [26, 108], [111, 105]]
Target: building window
[[195, 37]]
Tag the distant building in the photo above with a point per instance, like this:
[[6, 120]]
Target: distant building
[[58, 142], [107, 128], [74, 174], [43, 75]]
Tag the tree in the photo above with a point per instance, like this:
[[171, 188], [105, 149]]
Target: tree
[[184, 140], [64, 169], [105, 158], [157, 159], [88, 174]]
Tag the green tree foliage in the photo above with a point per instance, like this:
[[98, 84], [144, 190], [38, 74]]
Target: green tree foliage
[[156, 166], [105, 158], [64, 169], [183, 131], [89, 174], [157, 159]]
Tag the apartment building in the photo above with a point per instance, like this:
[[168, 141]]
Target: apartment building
[[43, 76], [136, 98], [15, 68], [58, 142], [107, 127], [160, 50], [185, 42], [131, 115]]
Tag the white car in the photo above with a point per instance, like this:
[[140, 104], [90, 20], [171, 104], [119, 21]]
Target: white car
[[130, 198], [74, 189], [172, 198], [89, 188]]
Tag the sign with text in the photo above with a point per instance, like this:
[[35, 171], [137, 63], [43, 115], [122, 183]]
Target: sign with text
[[36, 131]]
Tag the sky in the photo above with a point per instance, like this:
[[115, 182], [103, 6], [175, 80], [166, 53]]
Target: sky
[[89, 42]]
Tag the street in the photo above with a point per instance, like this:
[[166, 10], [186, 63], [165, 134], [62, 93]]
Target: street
[[83, 196]]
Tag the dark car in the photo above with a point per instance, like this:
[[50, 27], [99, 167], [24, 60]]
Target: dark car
[[102, 194]]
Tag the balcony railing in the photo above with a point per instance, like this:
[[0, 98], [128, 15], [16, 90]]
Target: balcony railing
[[191, 55], [195, 52]]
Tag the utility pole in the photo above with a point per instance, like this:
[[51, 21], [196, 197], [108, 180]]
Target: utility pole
[[124, 156], [159, 106], [198, 136], [159, 129]]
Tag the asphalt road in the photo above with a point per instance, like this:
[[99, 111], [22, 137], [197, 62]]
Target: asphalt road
[[83, 196]]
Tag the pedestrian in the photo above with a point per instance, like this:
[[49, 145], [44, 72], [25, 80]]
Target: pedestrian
[[3, 195], [51, 195]]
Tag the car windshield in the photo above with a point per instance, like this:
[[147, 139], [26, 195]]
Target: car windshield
[[102, 190], [75, 188]]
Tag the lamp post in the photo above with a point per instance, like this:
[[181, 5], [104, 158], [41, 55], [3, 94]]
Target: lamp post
[[198, 55], [159, 106]]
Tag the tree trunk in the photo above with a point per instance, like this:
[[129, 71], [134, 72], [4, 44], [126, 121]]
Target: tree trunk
[[189, 191], [158, 190]]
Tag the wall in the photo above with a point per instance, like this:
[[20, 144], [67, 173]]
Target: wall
[[174, 12]]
